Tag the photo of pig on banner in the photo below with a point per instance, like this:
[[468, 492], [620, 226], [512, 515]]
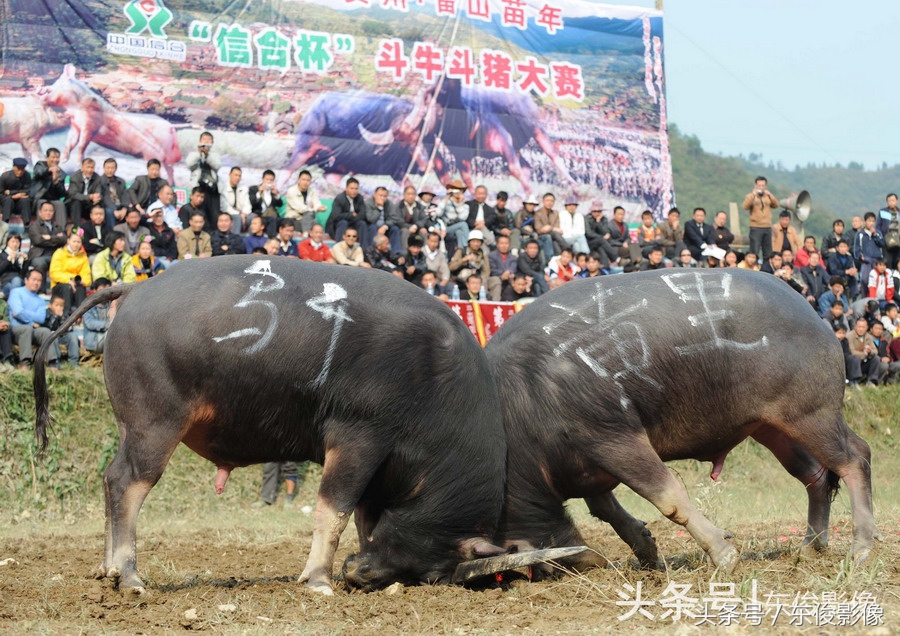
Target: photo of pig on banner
[[525, 96]]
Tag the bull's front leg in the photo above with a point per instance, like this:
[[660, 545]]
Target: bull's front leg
[[631, 530]]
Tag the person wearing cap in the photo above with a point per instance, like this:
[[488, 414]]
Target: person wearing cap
[[596, 231], [784, 236], [455, 215], [48, 183], [385, 218], [505, 222], [15, 186], [470, 259], [524, 219], [546, 222], [166, 205], [481, 215], [70, 271], [416, 264], [571, 222], [672, 233], [83, 192]]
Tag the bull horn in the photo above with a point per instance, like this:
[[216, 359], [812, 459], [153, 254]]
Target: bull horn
[[469, 570], [385, 138]]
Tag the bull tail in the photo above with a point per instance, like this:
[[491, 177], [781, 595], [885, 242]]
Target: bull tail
[[41, 397]]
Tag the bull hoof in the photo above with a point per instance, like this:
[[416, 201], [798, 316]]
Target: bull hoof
[[726, 559], [860, 555], [101, 572], [132, 585], [112, 572], [321, 588]]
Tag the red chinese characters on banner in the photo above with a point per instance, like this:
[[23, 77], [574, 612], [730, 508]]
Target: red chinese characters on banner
[[396, 5], [445, 7], [389, 58], [496, 69], [461, 65], [478, 9], [514, 14], [533, 76], [428, 60], [550, 18], [568, 81], [467, 312]]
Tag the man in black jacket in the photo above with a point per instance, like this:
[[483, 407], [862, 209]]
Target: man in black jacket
[[596, 230], [15, 186], [349, 209], [481, 215], [84, 192], [698, 234], [532, 265], [223, 240], [48, 183]]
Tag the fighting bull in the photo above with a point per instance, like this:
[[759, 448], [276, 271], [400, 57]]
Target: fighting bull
[[93, 119], [25, 120], [603, 380], [284, 360], [361, 133]]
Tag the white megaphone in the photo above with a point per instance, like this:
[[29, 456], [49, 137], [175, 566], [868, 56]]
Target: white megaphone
[[800, 204]]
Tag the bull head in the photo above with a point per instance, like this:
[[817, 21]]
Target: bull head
[[406, 130], [476, 568]]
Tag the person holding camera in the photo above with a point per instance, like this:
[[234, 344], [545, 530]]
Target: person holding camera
[[204, 165], [760, 203], [265, 199]]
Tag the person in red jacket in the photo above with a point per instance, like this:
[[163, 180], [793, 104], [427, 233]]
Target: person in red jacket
[[881, 283], [314, 248]]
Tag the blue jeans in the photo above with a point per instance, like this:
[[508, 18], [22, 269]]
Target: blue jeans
[[11, 284], [70, 339], [460, 230]]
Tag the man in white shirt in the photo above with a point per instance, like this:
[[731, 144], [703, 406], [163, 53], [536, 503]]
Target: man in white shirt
[[303, 203], [166, 202], [235, 200]]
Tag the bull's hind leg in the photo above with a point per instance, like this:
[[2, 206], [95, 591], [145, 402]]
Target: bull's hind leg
[[348, 468], [634, 463], [631, 530], [134, 470]]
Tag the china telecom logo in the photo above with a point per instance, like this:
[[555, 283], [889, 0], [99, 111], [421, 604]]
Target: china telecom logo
[[149, 15]]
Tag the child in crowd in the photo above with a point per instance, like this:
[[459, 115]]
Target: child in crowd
[[56, 316]]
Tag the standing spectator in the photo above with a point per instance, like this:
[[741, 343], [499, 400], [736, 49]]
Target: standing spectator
[[784, 236], [27, 311], [15, 186], [888, 226], [841, 263], [503, 268], [235, 200], [571, 222], [133, 231], [384, 218], [115, 198], [84, 191], [162, 239], [868, 248], [223, 240], [48, 183], [113, 263], [348, 252], [698, 234], [53, 320], [256, 235], [286, 244], [46, 237], [97, 320], [505, 222], [809, 247], [760, 203], [303, 203], [881, 284], [481, 215], [204, 164], [721, 235], [194, 242], [145, 188], [349, 210], [12, 265], [314, 248], [273, 474], [70, 272], [166, 204], [856, 226], [649, 235], [814, 280], [531, 264], [672, 234], [93, 231], [144, 264]]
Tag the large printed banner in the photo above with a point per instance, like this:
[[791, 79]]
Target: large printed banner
[[525, 96]]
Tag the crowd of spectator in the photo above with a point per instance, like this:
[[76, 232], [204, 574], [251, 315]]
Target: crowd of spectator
[[90, 230]]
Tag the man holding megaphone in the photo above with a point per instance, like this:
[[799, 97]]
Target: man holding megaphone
[[760, 203]]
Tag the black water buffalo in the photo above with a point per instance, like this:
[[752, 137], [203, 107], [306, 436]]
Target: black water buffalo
[[603, 380], [247, 360], [361, 133]]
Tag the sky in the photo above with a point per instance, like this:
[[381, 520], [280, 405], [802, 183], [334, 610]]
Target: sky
[[796, 81]]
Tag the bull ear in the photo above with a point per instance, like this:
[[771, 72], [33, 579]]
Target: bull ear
[[477, 548]]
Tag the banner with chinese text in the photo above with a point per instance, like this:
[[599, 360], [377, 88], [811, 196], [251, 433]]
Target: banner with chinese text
[[526, 96]]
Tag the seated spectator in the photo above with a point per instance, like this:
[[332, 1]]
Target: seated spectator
[[852, 363], [505, 223], [115, 198], [348, 251], [894, 350], [561, 269], [27, 310], [711, 262], [48, 183], [672, 235], [841, 263], [503, 267], [415, 264], [195, 204], [834, 293], [571, 222], [593, 266], [772, 264], [94, 230], [721, 235], [223, 240], [686, 260], [97, 320], [698, 234], [413, 212], [481, 216], [786, 273], [133, 231], [870, 311], [113, 263], [815, 279], [194, 242], [654, 259], [303, 203], [46, 237], [256, 235], [166, 203], [749, 262], [470, 259], [162, 238], [314, 248], [145, 188], [649, 235], [53, 320], [890, 318], [144, 264], [70, 272], [349, 210], [784, 236], [531, 264], [6, 341], [234, 200], [379, 256], [265, 199], [730, 259], [519, 288], [836, 317], [809, 247], [473, 291], [881, 285], [830, 242], [273, 247], [430, 285], [83, 192], [524, 220], [436, 259], [385, 218], [15, 186], [455, 215], [862, 345], [881, 340], [12, 265]]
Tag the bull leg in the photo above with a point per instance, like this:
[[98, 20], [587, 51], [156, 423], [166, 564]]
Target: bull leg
[[632, 531], [648, 476], [811, 473], [128, 479], [346, 473]]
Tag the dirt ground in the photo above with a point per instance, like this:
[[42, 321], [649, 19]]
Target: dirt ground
[[243, 580]]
